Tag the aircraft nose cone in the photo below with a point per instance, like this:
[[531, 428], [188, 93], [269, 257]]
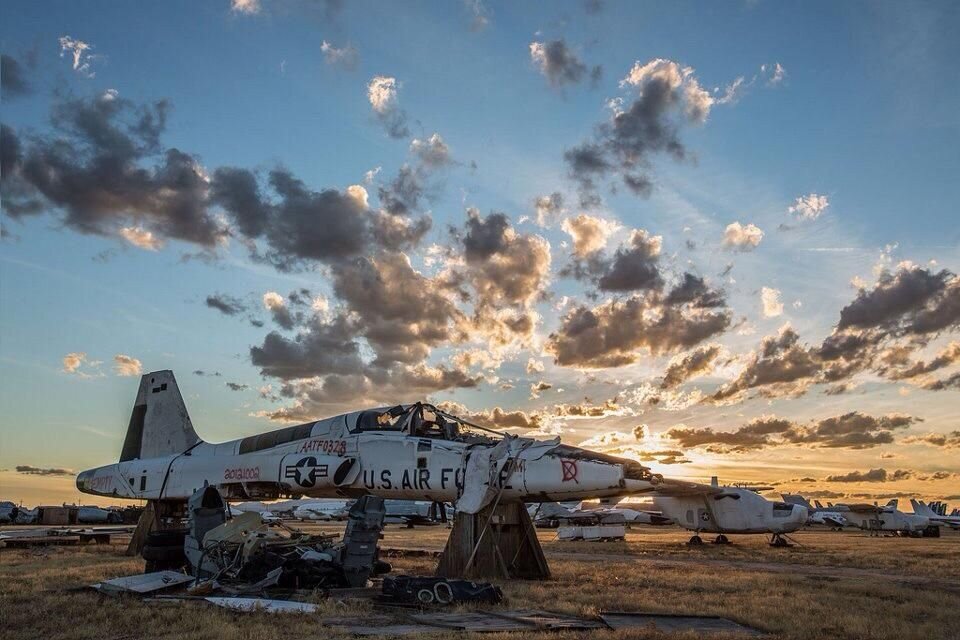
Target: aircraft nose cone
[[800, 514]]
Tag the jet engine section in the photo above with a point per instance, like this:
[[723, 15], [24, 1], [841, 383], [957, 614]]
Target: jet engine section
[[317, 474], [557, 477]]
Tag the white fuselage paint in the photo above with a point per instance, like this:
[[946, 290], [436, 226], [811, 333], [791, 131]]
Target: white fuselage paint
[[887, 520], [748, 513], [337, 460]]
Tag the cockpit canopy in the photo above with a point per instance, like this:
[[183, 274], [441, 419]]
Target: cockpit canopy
[[420, 420]]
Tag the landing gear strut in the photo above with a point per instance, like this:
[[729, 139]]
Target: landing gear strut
[[695, 540], [721, 539], [779, 541]]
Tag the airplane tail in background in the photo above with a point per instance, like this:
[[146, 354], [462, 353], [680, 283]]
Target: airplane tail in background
[[921, 509], [892, 504], [159, 424], [797, 500]]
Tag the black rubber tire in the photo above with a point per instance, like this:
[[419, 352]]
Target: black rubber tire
[[166, 538], [163, 554]]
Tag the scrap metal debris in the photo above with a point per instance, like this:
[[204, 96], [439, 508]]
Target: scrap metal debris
[[143, 584], [427, 591], [245, 553], [263, 604]]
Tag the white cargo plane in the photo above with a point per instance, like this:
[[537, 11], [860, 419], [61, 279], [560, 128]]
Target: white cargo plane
[[875, 519], [407, 452], [711, 508]]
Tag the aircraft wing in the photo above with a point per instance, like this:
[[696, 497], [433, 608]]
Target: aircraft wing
[[682, 489], [865, 508]]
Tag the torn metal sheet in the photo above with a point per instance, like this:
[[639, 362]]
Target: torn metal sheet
[[677, 623], [482, 467], [479, 621], [144, 583], [550, 620], [263, 604]]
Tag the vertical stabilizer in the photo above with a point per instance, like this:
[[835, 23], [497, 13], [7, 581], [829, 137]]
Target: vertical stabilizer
[[159, 423]]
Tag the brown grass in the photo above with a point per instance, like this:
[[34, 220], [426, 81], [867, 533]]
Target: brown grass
[[791, 604]]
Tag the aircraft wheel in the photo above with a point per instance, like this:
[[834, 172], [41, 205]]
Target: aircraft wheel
[[695, 540], [722, 539], [779, 541]]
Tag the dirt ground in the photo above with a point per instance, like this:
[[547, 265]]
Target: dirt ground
[[831, 584]]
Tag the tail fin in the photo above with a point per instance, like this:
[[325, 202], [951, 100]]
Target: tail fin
[[159, 424], [921, 509], [817, 504], [797, 500], [893, 503]]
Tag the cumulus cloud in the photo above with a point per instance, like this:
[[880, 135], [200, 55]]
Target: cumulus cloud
[[663, 96], [946, 357], [738, 237], [79, 365], [303, 225], [771, 304], [507, 273], [236, 386], [912, 300], [873, 475], [853, 430], [534, 366], [245, 7], [141, 238], [949, 440], [382, 92], [276, 305], [432, 152], [124, 365], [96, 169], [78, 52], [548, 209], [345, 57], [370, 386], [781, 366], [809, 207], [72, 361], [401, 312], [495, 418], [589, 233], [688, 365], [227, 305], [537, 388], [13, 81], [42, 471], [559, 64], [615, 332], [911, 305], [633, 267]]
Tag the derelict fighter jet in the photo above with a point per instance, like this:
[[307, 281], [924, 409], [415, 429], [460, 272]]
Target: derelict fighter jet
[[407, 452]]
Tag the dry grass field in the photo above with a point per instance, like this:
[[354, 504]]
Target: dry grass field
[[832, 585]]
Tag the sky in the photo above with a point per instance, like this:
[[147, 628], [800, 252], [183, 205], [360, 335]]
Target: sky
[[719, 238]]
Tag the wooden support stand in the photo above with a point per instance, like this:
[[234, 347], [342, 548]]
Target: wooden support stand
[[498, 542], [159, 515]]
